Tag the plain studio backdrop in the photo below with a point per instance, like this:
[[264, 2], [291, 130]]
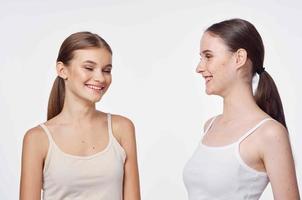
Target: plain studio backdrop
[[155, 52]]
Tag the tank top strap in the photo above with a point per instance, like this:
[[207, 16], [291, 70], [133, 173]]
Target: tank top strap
[[253, 129], [109, 121], [114, 141], [47, 133], [209, 126]]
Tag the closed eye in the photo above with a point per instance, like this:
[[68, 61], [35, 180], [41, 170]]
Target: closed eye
[[89, 68], [107, 71]]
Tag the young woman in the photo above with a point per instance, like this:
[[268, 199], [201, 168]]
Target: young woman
[[246, 146], [80, 152]]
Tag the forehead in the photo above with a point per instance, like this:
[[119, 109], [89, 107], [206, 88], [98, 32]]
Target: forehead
[[212, 42], [97, 55]]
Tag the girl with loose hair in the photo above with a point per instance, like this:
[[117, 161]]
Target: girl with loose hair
[[80, 152], [248, 145]]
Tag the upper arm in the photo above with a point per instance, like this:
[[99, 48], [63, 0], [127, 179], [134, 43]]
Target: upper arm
[[279, 163], [33, 153], [124, 128]]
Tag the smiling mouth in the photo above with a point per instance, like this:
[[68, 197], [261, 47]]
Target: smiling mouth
[[97, 88], [208, 78]]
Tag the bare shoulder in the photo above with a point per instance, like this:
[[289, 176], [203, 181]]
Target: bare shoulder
[[122, 123], [122, 127], [272, 131], [35, 134], [278, 160], [273, 136], [36, 140]]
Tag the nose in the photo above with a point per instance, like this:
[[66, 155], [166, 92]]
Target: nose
[[99, 76], [200, 67]]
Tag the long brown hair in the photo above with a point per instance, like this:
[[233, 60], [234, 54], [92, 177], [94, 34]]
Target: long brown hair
[[76, 41], [239, 33]]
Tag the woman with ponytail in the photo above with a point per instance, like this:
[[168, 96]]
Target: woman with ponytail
[[80, 152], [248, 145]]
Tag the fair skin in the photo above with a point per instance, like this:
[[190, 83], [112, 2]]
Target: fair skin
[[87, 77], [228, 74]]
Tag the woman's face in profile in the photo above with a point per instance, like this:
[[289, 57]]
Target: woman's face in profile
[[216, 64]]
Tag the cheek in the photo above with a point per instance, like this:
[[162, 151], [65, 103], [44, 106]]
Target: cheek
[[108, 78], [229, 69], [223, 65], [79, 74], [227, 75], [215, 67], [221, 71], [216, 64]]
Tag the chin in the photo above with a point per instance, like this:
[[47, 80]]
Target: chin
[[95, 96], [209, 91], [213, 92], [92, 98], [95, 99]]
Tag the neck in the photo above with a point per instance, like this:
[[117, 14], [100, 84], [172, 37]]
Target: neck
[[239, 102], [77, 111]]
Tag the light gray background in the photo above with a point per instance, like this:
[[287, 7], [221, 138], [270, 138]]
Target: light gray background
[[156, 47]]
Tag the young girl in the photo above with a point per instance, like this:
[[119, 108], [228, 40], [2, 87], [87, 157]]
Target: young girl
[[246, 146], [80, 152]]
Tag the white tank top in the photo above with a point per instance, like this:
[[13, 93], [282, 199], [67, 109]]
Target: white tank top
[[95, 177], [219, 173]]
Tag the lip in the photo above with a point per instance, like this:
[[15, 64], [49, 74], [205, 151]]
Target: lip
[[97, 88], [208, 78]]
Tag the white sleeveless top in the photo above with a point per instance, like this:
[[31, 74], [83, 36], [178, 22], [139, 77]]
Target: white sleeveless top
[[219, 173], [95, 177]]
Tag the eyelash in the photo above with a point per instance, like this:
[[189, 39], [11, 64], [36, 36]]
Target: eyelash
[[207, 56], [107, 71], [91, 69]]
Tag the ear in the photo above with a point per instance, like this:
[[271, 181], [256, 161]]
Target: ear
[[241, 58], [62, 70]]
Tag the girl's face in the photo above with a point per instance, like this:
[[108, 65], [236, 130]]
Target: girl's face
[[216, 65], [89, 74]]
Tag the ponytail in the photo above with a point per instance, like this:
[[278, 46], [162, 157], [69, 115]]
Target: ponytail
[[56, 98], [268, 99]]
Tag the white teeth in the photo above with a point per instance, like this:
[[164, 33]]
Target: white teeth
[[95, 87]]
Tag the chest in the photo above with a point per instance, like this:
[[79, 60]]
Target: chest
[[212, 168], [70, 171], [221, 134], [219, 169], [81, 141], [247, 145]]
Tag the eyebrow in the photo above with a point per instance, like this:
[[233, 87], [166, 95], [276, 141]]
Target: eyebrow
[[90, 62], [94, 63], [206, 51]]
